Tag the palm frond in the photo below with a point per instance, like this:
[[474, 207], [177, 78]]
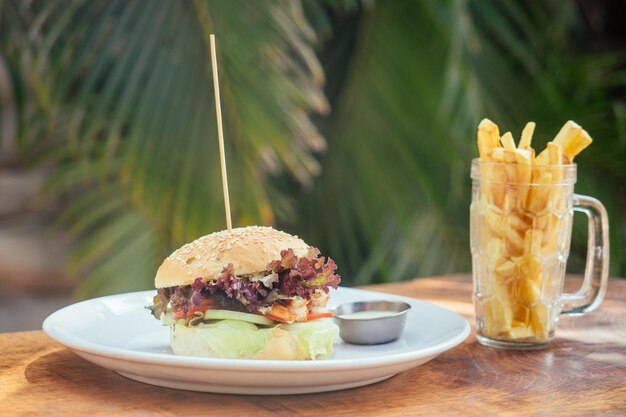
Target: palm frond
[[117, 96], [127, 92], [393, 198]]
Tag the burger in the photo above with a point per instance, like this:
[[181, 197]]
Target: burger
[[251, 292]]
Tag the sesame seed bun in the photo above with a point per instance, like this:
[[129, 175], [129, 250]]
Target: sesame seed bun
[[250, 249]]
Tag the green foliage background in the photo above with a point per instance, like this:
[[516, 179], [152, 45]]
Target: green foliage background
[[349, 123]]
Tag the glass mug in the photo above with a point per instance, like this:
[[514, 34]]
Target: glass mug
[[520, 239]]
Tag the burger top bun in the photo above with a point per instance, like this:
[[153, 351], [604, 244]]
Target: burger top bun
[[250, 249]]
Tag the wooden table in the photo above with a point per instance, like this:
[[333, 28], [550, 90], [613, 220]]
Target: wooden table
[[583, 373]]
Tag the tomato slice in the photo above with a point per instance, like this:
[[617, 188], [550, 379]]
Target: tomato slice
[[178, 315]]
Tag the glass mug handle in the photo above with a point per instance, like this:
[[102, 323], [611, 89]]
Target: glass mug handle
[[590, 295]]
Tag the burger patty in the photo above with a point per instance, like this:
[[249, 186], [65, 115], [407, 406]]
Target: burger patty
[[289, 276]]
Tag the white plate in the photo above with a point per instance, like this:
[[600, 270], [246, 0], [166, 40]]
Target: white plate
[[117, 333]]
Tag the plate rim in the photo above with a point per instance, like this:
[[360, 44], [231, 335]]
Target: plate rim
[[77, 343]]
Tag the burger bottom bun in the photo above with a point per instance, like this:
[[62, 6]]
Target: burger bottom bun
[[276, 344]]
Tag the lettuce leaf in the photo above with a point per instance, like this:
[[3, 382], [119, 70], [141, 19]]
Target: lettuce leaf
[[240, 339], [234, 338], [315, 337]]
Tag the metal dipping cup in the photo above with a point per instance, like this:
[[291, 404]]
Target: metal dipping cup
[[384, 323]]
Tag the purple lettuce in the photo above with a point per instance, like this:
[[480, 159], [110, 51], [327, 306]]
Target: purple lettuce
[[304, 276], [296, 276]]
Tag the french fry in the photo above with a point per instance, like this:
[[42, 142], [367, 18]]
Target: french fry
[[522, 219], [527, 135], [500, 228], [552, 228], [552, 223], [571, 138], [497, 155], [542, 158], [505, 269], [488, 138], [497, 177], [495, 249], [555, 153], [573, 146], [524, 173], [539, 192], [526, 154], [567, 133], [491, 129], [532, 241], [539, 321], [519, 223], [498, 314], [520, 332], [555, 157], [508, 142], [510, 201], [532, 155], [510, 167], [484, 146], [529, 280]]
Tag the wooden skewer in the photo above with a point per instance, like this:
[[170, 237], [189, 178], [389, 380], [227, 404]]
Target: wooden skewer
[[220, 132]]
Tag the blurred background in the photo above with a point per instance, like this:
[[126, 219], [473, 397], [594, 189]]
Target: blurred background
[[348, 122]]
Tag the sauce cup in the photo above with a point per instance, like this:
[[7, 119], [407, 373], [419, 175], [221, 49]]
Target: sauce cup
[[371, 322]]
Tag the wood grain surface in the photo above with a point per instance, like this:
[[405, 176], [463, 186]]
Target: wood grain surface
[[582, 374]]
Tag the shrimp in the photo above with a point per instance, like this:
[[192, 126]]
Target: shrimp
[[296, 310], [280, 313], [299, 307], [319, 300]]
